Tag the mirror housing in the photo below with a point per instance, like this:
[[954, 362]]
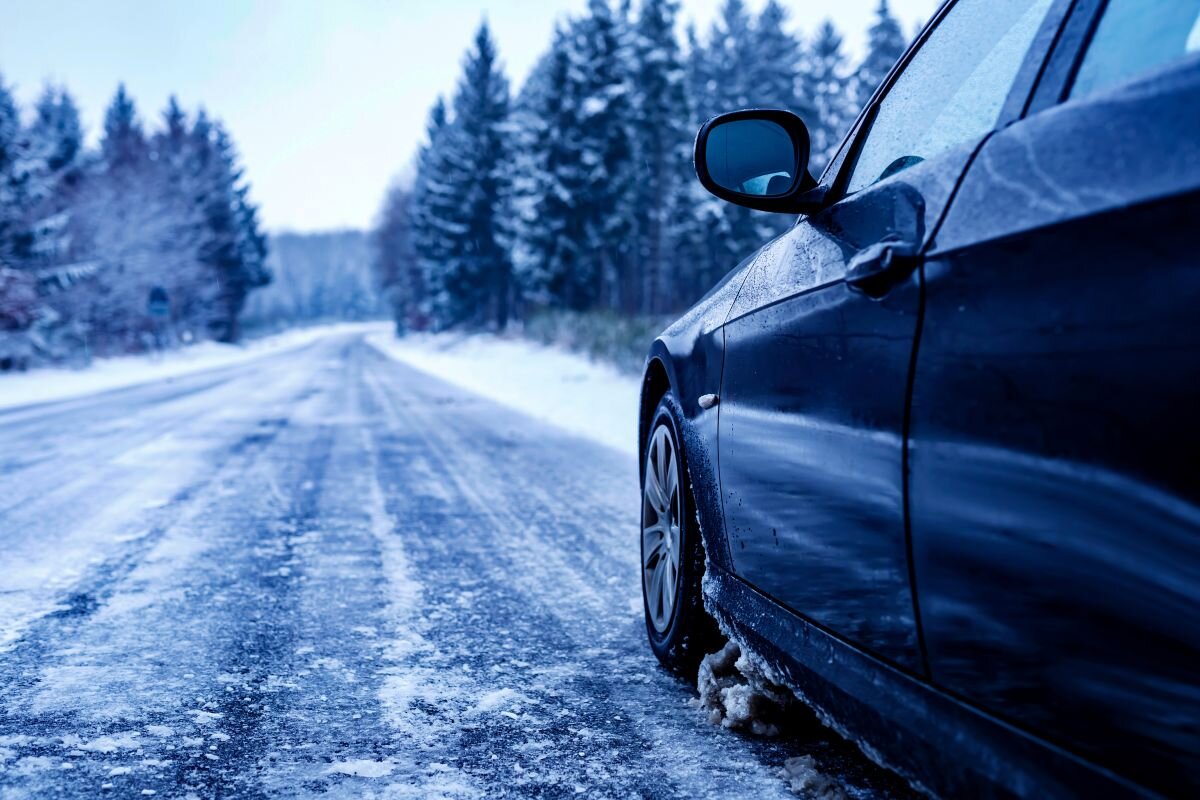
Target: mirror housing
[[745, 157]]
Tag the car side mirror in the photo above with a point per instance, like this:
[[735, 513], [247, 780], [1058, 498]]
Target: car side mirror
[[757, 158]]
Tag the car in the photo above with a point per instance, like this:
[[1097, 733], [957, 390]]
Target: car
[[933, 454]]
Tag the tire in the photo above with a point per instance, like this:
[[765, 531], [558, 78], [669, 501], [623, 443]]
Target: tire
[[672, 555]]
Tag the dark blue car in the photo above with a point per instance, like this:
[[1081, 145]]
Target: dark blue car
[[935, 451]]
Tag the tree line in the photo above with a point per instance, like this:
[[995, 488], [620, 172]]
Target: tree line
[[577, 192], [148, 239], [315, 277]]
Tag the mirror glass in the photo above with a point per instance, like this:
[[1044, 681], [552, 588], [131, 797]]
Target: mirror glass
[[752, 156]]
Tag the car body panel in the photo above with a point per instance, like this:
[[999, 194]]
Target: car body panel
[[812, 415], [1055, 486], [690, 353]]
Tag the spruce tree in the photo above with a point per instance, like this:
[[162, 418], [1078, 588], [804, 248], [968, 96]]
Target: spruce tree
[[826, 87], [10, 175], [775, 67], [885, 44], [660, 139], [432, 201], [546, 178], [393, 261], [473, 282], [123, 144], [731, 62], [599, 73], [53, 170], [571, 162]]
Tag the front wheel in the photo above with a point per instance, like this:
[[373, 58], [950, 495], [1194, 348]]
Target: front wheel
[[679, 628]]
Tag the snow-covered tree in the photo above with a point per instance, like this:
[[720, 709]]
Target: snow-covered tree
[[728, 61], [571, 161], [233, 246], [394, 262], [123, 144], [470, 277], [886, 42], [431, 202], [775, 66], [10, 177], [826, 87], [660, 139], [546, 178]]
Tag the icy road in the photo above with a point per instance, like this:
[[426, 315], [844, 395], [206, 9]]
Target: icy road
[[324, 573]]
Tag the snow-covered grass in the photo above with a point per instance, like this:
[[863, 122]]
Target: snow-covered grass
[[586, 398], [49, 384]]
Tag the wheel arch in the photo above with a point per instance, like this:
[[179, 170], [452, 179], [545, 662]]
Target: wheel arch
[[663, 376], [656, 383]]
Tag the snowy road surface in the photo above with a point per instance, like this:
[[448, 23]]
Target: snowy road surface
[[323, 573]]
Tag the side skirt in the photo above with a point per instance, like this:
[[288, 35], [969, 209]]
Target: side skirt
[[939, 744]]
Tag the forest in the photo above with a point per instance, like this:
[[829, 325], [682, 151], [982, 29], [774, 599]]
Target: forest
[[567, 205], [148, 240], [575, 193]]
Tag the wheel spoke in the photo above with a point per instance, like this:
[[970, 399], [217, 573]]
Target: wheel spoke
[[671, 479], [661, 456], [655, 593], [668, 588], [656, 496], [654, 538]]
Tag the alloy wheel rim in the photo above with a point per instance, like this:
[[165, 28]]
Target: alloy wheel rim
[[661, 519]]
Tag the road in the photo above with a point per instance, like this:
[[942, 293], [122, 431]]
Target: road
[[323, 573]]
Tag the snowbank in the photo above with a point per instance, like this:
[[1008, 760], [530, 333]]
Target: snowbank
[[736, 692], [565, 389], [45, 385]]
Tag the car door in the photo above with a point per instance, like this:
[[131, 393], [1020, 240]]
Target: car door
[[820, 339], [1055, 480]]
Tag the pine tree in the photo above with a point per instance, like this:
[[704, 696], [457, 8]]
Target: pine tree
[[123, 145], [660, 137], [546, 178], [432, 202], [572, 157], [473, 284], [827, 89], [885, 44], [730, 62], [233, 246], [393, 262], [774, 69], [10, 177], [599, 71], [47, 245]]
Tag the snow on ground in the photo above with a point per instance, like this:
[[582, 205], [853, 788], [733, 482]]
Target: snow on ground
[[45, 385], [566, 389]]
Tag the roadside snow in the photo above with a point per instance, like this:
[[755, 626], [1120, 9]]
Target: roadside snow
[[570, 391], [737, 693], [806, 779], [45, 385]]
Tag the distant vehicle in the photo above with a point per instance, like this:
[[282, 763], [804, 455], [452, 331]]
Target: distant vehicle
[[938, 445]]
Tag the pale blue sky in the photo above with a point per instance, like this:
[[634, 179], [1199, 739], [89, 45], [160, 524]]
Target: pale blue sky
[[325, 98]]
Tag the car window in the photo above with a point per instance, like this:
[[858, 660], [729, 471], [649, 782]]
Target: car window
[[954, 87], [1135, 36]]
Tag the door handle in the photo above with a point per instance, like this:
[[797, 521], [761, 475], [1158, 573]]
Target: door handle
[[878, 269]]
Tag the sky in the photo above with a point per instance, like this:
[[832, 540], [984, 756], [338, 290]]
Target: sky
[[326, 99]]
